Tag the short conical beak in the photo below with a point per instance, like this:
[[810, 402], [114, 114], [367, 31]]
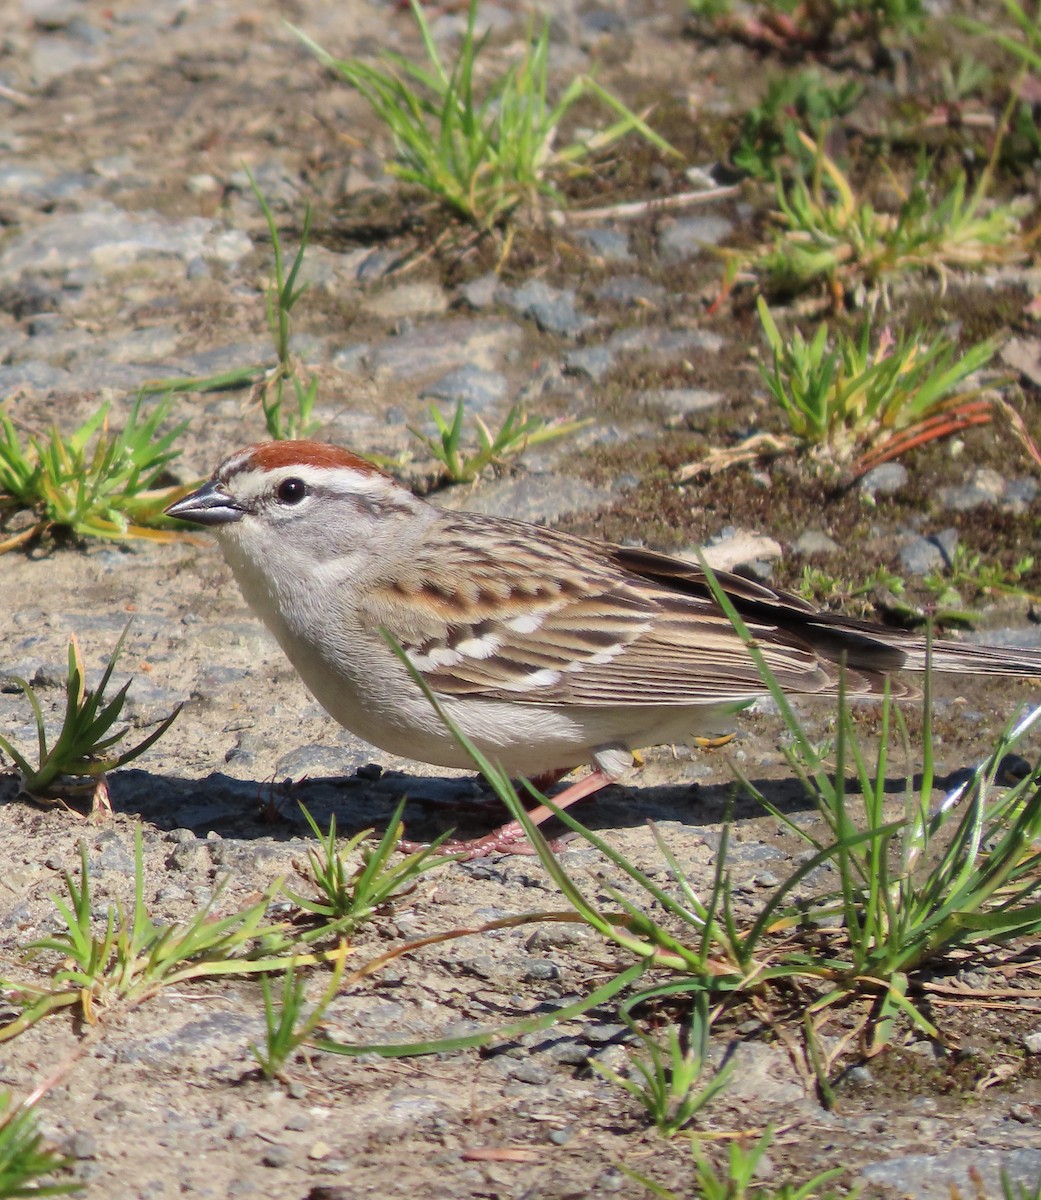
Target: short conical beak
[[209, 505]]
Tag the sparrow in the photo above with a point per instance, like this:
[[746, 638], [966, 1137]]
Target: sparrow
[[548, 650]]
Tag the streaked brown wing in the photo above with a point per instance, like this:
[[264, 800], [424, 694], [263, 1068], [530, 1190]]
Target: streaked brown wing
[[559, 620]]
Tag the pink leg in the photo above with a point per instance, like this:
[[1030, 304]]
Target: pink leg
[[506, 838]]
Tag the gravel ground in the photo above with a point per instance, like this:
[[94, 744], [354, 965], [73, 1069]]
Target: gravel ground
[[131, 249]]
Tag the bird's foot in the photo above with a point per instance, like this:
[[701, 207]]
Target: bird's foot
[[507, 839], [511, 838]]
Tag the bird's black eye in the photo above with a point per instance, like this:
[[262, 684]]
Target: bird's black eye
[[291, 491]]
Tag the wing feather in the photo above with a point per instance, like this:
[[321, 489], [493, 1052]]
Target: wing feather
[[556, 620], [549, 618]]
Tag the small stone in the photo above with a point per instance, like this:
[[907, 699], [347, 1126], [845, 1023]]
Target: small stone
[[408, 300], [526, 1071], [926, 1049], [689, 237], [614, 1057], [82, 1145], [682, 402], [594, 362], [666, 344], [481, 292], [632, 291], [276, 1156], [1019, 495], [554, 310], [601, 1033], [353, 359], [438, 346], [541, 968], [478, 389], [317, 761], [612, 245], [923, 555], [611, 1180], [569, 1052], [884, 480], [1032, 1042], [731, 547], [756, 569], [202, 185], [376, 264], [947, 540], [963, 498], [538, 498], [814, 542]]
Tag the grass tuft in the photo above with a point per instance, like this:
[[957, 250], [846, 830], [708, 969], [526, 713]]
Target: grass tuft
[[844, 399], [91, 483], [128, 958], [482, 156], [350, 896], [828, 235], [667, 1081], [515, 435], [25, 1160], [85, 748]]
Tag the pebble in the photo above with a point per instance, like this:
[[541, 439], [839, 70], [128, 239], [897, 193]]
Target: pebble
[[610, 245], [538, 498], [968, 1172], [540, 969], [1032, 1042], [481, 292], [561, 1137], [731, 548], [924, 554], [884, 480], [478, 389], [1020, 494], [433, 349], [689, 237], [682, 402], [859, 1076], [528, 1072], [631, 291], [813, 543], [408, 300], [354, 358], [376, 264], [593, 362], [218, 1034], [104, 240], [52, 57], [600, 1033], [665, 343], [554, 310], [966, 497], [611, 1180], [569, 1052]]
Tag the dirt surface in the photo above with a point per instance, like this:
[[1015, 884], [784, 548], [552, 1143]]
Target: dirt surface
[[153, 110]]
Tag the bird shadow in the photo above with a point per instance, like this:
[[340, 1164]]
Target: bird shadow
[[464, 806]]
